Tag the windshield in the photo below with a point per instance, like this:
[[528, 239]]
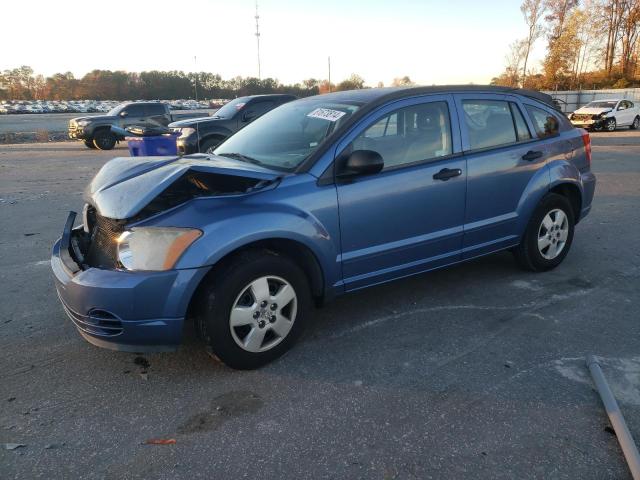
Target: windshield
[[230, 109], [115, 111], [610, 104], [283, 138]]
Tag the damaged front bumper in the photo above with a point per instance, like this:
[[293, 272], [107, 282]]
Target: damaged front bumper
[[120, 310], [587, 123]]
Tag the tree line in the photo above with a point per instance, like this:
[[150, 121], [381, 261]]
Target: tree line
[[589, 44], [23, 84]]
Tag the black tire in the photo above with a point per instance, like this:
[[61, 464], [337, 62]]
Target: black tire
[[610, 124], [89, 144], [527, 253], [211, 144], [104, 140], [636, 124], [219, 293]]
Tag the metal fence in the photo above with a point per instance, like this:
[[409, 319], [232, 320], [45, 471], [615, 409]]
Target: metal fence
[[571, 100]]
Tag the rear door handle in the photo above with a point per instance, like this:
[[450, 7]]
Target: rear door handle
[[532, 155], [447, 173]]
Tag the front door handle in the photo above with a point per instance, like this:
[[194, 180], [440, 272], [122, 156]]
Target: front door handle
[[447, 173], [532, 155]]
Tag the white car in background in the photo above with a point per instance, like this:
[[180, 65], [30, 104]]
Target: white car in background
[[607, 115]]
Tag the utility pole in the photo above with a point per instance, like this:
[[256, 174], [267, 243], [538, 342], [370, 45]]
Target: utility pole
[[258, 38], [329, 61], [195, 63]]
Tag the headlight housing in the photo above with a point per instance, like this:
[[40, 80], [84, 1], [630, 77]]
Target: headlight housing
[[154, 248], [83, 123], [185, 132]]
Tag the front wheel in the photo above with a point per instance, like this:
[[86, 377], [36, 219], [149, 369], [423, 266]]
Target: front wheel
[[89, 144], [610, 124], [549, 235], [210, 145], [252, 310], [104, 140]]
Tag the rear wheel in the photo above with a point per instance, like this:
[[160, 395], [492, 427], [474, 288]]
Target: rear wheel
[[635, 124], [104, 140], [89, 144], [252, 310], [549, 235]]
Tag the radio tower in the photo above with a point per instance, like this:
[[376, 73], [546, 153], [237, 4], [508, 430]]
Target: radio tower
[[258, 38]]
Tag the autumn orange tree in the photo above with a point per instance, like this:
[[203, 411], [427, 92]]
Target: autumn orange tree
[[589, 43]]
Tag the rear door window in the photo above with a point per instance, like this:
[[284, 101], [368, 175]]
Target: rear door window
[[545, 123], [155, 109], [522, 131], [489, 123]]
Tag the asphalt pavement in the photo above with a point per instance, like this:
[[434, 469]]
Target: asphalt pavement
[[476, 371]]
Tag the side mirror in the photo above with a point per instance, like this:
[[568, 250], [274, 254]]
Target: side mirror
[[248, 116], [622, 107], [123, 113], [360, 162]]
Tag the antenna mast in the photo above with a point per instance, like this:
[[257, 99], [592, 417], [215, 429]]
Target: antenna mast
[[258, 38]]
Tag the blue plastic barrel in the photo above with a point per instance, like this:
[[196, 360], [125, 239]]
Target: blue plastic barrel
[[153, 146]]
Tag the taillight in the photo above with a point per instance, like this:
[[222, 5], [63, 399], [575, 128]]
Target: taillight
[[587, 145]]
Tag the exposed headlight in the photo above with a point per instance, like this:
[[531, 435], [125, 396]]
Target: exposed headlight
[[185, 132], [83, 123], [154, 248]]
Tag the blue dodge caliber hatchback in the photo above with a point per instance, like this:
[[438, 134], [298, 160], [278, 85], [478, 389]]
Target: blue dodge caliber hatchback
[[319, 197]]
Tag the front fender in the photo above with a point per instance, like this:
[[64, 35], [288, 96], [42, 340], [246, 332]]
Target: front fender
[[229, 225], [214, 131]]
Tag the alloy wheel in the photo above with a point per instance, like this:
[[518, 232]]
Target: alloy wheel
[[553, 233], [263, 314], [610, 125]]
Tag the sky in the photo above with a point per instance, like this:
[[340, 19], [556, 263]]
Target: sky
[[433, 42]]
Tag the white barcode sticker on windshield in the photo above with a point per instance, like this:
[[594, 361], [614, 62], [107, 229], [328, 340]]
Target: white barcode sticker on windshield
[[326, 114]]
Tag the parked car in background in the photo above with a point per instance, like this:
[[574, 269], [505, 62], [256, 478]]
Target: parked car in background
[[607, 115], [318, 197], [205, 134], [95, 131]]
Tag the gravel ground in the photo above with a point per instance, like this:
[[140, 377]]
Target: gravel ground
[[472, 372]]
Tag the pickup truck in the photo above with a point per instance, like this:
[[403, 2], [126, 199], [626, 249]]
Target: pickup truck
[[96, 132], [203, 135], [607, 115]]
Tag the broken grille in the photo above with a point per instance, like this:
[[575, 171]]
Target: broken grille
[[103, 247]]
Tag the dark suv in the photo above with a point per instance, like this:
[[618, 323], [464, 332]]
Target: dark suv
[[96, 131], [205, 134]]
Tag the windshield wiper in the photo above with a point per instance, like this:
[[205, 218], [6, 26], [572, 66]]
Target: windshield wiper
[[241, 157]]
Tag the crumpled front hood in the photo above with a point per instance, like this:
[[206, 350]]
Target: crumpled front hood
[[591, 111], [125, 185]]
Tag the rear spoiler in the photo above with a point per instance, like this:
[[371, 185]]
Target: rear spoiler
[[539, 96]]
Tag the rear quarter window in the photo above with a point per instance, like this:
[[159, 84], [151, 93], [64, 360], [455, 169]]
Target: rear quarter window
[[546, 123]]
